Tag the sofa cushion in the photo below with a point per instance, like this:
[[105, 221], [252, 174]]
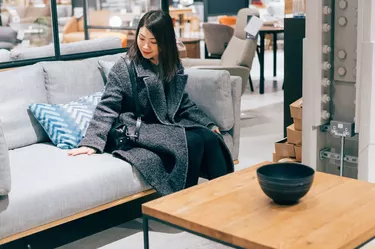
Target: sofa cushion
[[4, 165], [211, 91], [4, 54], [69, 80], [66, 124], [48, 185], [20, 87], [104, 68]]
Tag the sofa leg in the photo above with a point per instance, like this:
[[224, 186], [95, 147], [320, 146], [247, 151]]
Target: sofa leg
[[251, 84]]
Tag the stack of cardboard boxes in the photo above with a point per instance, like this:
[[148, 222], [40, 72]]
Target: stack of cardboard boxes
[[290, 148]]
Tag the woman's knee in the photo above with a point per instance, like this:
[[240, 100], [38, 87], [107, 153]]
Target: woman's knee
[[209, 137], [195, 141]]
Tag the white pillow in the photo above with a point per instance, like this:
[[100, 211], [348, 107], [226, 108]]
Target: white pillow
[[4, 55]]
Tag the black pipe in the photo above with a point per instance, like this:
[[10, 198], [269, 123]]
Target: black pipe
[[85, 21], [165, 5], [55, 29]]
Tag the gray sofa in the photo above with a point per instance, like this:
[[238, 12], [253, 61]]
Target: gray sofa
[[40, 186]]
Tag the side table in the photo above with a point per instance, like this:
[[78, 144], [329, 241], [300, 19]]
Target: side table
[[192, 47]]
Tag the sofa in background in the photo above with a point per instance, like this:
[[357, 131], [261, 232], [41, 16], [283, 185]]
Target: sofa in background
[[74, 29], [47, 187], [99, 44]]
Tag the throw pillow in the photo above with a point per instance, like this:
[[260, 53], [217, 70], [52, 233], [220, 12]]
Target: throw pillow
[[66, 124], [104, 68]]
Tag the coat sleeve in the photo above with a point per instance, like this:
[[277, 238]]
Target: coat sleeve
[[107, 110], [189, 110]]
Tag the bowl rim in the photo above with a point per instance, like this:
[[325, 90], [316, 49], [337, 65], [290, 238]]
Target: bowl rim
[[283, 179]]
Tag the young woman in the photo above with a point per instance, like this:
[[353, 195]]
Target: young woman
[[177, 142]]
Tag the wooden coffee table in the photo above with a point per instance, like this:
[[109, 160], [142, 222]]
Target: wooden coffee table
[[336, 213]]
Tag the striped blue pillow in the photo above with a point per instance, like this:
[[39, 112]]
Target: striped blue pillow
[[66, 124]]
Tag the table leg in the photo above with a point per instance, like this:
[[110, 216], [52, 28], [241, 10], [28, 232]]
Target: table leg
[[261, 59], [181, 20], [274, 54], [145, 233]]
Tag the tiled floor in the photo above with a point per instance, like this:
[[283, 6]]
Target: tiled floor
[[256, 145]]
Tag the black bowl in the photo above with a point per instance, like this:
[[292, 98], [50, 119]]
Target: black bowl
[[285, 183]]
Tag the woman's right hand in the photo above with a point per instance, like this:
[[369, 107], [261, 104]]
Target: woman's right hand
[[81, 151]]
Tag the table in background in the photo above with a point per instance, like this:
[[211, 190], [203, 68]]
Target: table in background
[[180, 12], [262, 34], [192, 47]]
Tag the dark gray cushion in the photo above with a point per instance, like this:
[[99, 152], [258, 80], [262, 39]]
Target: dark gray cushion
[[104, 68], [7, 34]]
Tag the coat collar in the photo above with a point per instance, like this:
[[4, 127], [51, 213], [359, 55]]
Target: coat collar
[[144, 69], [163, 106]]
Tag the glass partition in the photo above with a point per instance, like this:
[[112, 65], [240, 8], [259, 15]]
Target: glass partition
[[83, 28], [26, 30]]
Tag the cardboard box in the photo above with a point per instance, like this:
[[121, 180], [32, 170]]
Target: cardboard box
[[288, 9], [275, 157], [298, 150], [297, 124], [296, 109], [284, 149], [293, 136]]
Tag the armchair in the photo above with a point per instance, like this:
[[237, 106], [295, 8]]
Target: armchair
[[238, 55], [216, 38]]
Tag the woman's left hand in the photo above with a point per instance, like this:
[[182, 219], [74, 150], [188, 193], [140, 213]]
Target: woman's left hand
[[216, 129]]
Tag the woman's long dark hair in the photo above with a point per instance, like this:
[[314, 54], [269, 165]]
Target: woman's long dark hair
[[161, 26]]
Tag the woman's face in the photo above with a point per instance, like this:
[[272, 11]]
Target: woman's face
[[147, 45]]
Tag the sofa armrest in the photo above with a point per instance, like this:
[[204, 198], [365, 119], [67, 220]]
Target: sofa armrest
[[189, 62], [211, 91], [243, 72], [71, 26], [219, 95], [5, 182], [236, 88]]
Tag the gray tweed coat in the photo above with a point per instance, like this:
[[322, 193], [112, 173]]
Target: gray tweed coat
[[163, 127]]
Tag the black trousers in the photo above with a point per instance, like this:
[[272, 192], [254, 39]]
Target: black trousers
[[206, 156]]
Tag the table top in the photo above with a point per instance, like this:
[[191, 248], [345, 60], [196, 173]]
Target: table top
[[271, 28], [179, 11], [337, 212]]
